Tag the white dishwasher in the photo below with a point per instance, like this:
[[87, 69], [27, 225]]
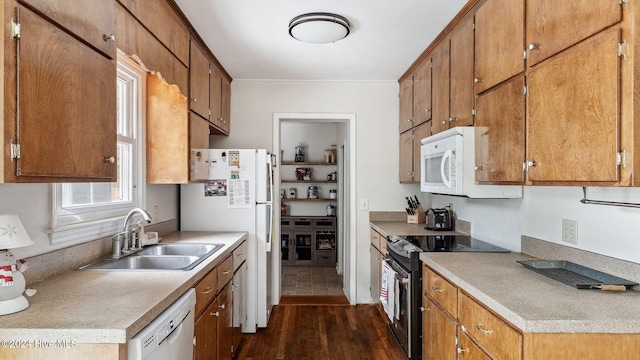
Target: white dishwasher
[[169, 336]]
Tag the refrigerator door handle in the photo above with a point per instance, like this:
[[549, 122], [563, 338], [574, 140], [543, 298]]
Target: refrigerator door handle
[[269, 207]]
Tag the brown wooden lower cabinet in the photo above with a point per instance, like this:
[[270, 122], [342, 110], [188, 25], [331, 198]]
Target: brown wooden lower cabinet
[[206, 333], [478, 333], [225, 327]]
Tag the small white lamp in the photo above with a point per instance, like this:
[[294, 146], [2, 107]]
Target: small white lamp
[[12, 283]]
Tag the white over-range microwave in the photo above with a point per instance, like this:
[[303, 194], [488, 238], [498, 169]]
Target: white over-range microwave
[[448, 167]]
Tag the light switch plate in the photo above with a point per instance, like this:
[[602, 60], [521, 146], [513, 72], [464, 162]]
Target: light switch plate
[[364, 204], [570, 231]]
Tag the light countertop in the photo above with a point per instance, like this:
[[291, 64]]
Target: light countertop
[[109, 306], [533, 302]]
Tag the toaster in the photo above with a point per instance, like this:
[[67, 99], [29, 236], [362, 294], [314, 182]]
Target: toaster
[[439, 220]]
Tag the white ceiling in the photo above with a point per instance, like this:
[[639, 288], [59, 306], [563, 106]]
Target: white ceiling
[[251, 38]]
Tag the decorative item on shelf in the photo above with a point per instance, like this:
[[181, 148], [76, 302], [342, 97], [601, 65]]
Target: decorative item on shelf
[[283, 193], [283, 210], [327, 156], [292, 193], [331, 210], [299, 153], [334, 176], [12, 283], [312, 192], [334, 153], [333, 194], [303, 174]]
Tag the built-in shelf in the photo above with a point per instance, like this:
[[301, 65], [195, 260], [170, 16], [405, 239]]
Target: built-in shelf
[[308, 163], [309, 181], [304, 199]]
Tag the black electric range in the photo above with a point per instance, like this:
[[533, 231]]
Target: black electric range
[[404, 258]]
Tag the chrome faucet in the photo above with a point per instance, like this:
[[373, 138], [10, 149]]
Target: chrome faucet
[[131, 241]]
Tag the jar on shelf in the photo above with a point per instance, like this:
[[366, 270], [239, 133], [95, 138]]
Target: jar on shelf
[[312, 192], [333, 194]]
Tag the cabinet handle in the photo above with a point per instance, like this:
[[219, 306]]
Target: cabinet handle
[[452, 119], [533, 46], [408, 120], [461, 350], [423, 309], [109, 159], [476, 80], [195, 99], [240, 255], [207, 290], [437, 289], [222, 306], [214, 313], [226, 272], [110, 37], [481, 329], [427, 110], [477, 168], [531, 163]]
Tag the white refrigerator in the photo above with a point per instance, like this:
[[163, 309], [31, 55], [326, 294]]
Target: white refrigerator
[[238, 197]]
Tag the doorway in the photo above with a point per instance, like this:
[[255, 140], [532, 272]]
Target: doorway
[[343, 126]]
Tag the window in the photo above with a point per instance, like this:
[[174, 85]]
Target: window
[[88, 211]]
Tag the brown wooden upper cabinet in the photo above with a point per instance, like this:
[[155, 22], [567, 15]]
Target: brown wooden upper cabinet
[[91, 20], [406, 104], [574, 100], [410, 163], [499, 135], [60, 99], [553, 26], [453, 78], [210, 90], [499, 42], [422, 93]]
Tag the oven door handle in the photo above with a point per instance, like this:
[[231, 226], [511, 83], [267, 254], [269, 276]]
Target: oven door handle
[[402, 280]]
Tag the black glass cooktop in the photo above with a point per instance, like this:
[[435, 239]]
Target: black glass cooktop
[[442, 243]]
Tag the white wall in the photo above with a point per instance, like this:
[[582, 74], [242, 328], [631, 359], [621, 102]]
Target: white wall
[[611, 231], [375, 104], [32, 203]]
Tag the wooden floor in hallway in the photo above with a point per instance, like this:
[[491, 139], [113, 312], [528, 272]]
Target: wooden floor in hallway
[[340, 332]]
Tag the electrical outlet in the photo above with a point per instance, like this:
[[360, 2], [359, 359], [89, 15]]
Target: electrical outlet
[[364, 204], [570, 231], [155, 212]]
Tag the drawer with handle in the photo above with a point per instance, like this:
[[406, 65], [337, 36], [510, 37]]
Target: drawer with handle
[[225, 271], [441, 291], [493, 334], [239, 255], [206, 290]]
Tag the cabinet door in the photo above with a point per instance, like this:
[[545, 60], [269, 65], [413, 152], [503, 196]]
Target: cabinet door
[[499, 43], [91, 20], [215, 95], [205, 332], [422, 93], [573, 113], [225, 99], [406, 157], [406, 104], [286, 244], [499, 135], [468, 350], [553, 26], [438, 333], [303, 248], [239, 313], [199, 148], [461, 60], [376, 263], [419, 132], [66, 102], [199, 81], [441, 88], [225, 326]]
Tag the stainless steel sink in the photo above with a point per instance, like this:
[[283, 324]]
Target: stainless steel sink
[[180, 249], [160, 257]]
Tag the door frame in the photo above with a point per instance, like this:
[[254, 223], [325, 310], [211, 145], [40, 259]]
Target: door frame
[[349, 219]]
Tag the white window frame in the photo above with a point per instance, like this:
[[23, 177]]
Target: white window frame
[[86, 223]]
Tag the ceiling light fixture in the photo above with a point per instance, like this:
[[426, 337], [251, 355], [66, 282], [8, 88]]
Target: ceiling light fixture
[[319, 27]]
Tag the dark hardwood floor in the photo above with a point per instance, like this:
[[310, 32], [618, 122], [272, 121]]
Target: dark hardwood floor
[[326, 332]]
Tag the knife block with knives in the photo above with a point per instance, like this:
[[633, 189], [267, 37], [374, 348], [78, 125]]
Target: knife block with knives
[[415, 212]]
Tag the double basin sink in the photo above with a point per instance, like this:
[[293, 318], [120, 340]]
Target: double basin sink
[[160, 257]]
